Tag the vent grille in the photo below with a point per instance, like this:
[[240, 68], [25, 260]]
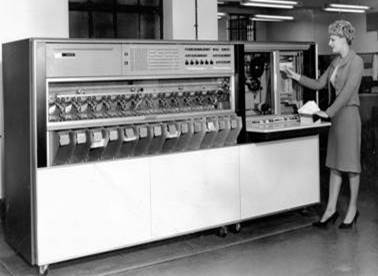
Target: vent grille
[[156, 59]]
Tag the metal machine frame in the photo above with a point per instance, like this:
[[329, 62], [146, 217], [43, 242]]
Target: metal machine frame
[[309, 50]]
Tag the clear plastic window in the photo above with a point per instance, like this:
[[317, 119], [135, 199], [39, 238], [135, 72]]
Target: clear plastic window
[[290, 92]]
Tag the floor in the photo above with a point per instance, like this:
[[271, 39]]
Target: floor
[[305, 251], [283, 244]]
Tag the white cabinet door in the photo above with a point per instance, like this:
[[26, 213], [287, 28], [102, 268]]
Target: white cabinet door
[[194, 190], [279, 175], [90, 208]]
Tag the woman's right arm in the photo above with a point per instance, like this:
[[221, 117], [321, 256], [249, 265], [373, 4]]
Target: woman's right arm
[[315, 84]]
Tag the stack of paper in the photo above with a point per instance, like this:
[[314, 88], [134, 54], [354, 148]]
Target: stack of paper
[[306, 112], [309, 108]]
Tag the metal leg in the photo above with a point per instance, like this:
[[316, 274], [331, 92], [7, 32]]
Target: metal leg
[[43, 269], [236, 228], [222, 232]]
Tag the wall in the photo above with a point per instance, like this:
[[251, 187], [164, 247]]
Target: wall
[[261, 31], [310, 25], [179, 19], [24, 18], [207, 19]]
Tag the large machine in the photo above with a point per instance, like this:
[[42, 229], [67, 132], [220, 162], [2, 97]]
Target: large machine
[[114, 143], [267, 100]]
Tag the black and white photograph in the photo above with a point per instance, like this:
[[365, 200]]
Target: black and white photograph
[[188, 137]]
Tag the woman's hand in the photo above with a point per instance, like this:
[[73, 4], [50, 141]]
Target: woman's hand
[[322, 114], [291, 74]]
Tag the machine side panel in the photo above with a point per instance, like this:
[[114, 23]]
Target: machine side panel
[[294, 183], [17, 146], [39, 73]]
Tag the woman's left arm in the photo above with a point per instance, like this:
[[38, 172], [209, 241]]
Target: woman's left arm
[[351, 86]]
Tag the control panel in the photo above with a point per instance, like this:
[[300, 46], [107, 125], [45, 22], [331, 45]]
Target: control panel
[[110, 101]]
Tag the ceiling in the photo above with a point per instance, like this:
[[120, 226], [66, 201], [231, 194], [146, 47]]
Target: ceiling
[[316, 4]]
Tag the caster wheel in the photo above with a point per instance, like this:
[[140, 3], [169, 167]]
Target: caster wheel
[[43, 269], [236, 228], [222, 232]]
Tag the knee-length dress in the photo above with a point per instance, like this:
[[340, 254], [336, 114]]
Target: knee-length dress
[[344, 137], [344, 140]]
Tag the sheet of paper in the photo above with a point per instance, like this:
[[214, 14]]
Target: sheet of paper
[[309, 108]]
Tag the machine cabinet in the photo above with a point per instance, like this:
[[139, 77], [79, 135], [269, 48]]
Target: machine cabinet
[[195, 190], [283, 172], [91, 208], [115, 143]]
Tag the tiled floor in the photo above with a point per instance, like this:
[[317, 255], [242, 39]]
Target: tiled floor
[[279, 245]]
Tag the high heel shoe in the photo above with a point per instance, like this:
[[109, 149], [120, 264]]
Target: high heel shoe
[[323, 224], [344, 225]]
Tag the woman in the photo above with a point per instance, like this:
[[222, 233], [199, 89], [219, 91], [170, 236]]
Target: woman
[[344, 138]]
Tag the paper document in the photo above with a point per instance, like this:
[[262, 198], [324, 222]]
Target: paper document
[[286, 65], [309, 108]]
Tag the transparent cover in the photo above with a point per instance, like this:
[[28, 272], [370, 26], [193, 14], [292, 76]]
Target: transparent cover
[[290, 92]]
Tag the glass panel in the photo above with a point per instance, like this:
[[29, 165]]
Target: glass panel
[[238, 27], [149, 26], [290, 93], [127, 24], [78, 24], [103, 25], [259, 97]]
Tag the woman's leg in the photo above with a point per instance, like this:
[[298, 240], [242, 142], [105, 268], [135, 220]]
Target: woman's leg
[[335, 179], [354, 184]]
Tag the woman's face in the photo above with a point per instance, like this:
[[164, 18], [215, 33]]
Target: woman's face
[[336, 43]]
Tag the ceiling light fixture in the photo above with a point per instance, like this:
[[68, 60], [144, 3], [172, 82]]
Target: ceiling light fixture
[[266, 5], [342, 6], [281, 2], [266, 19], [346, 8], [274, 17]]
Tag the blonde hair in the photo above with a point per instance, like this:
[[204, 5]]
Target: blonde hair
[[342, 28]]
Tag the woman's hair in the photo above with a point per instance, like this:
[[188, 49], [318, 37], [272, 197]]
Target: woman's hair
[[342, 28]]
